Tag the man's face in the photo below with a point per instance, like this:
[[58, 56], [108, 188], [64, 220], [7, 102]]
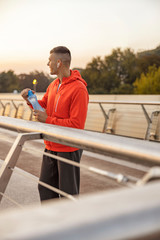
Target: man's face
[[52, 63]]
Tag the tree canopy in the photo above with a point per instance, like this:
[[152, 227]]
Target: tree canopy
[[148, 83], [43, 80], [9, 81], [117, 72]]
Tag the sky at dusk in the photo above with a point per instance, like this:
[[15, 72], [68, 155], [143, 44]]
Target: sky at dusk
[[29, 29]]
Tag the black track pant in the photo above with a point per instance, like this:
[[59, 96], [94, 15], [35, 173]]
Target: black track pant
[[63, 176]]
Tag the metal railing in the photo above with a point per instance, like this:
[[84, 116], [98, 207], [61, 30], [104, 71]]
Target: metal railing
[[106, 144], [12, 157], [149, 119], [106, 215], [109, 145], [152, 131], [14, 108]]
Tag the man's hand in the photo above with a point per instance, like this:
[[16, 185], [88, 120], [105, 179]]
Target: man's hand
[[24, 94], [40, 116]]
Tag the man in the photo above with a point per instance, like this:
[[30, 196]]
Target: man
[[66, 103]]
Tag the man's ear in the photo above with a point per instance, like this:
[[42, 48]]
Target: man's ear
[[58, 63]]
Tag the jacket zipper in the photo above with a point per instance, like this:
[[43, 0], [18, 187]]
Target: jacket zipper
[[57, 103]]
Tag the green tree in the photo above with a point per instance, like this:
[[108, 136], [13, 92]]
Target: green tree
[[8, 81], [92, 75], [148, 83], [123, 64], [26, 81], [116, 71], [145, 61], [123, 89]]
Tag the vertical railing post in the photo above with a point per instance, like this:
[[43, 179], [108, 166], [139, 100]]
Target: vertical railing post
[[3, 106], [106, 117], [12, 157], [14, 105]]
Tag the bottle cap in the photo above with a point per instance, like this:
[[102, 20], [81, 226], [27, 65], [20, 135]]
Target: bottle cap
[[30, 93]]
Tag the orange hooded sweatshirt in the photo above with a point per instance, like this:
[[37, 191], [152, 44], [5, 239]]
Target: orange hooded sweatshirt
[[66, 106]]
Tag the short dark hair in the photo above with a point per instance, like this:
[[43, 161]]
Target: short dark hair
[[64, 54], [61, 49]]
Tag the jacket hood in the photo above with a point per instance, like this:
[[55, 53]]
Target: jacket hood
[[75, 76]]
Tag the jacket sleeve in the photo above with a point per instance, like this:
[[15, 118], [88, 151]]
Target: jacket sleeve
[[78, 111]]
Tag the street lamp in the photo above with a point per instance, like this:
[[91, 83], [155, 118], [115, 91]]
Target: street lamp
[[34, 84]]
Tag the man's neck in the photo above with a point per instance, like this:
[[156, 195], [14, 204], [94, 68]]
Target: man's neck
[[63, 74]]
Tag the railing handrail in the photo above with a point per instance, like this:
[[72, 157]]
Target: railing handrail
[[101, 101], [107, 127], [106, 144], [12, 99], [125, 102]]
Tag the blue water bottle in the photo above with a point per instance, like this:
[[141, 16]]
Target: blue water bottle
[[33, 100]]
